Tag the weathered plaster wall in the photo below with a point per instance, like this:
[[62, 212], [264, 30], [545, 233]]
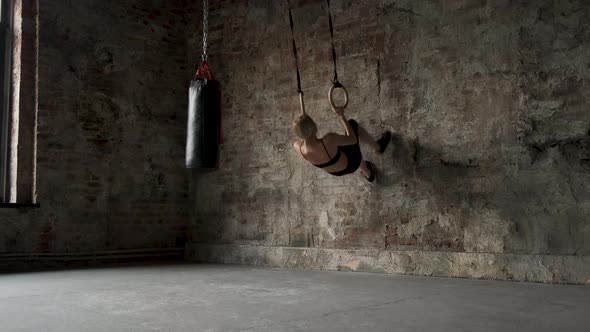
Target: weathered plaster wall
[[489, 100], [112, 117]]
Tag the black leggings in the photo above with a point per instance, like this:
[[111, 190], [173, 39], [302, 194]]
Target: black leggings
[[352, 152]]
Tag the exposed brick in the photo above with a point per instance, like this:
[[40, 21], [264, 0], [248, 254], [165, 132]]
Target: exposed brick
[[489, 109], [488, 103], [94, 135], [396, 240]]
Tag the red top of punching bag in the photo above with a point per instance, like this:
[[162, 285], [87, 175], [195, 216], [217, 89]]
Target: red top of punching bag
[[204, 72]]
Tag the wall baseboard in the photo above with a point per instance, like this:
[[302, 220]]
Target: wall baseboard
[[530, 268], [44, 260], [89, 255]]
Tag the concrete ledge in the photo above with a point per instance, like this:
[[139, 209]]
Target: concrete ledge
[[531, 268]]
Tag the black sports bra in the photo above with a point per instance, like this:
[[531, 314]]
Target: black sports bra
[[333, 160], [352, 153]]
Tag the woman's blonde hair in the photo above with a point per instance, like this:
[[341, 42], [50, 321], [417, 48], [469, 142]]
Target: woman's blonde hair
[[304, 127]]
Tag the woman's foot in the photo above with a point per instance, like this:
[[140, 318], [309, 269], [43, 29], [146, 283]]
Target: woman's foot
[[371, 167], [384, 141]]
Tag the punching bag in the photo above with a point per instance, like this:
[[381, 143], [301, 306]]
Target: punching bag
[[204, 121]]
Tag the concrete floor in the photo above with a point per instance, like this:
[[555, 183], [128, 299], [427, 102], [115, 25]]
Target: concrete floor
[[244, 298]]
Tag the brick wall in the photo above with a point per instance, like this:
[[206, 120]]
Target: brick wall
[[488, 100], [112, 123]]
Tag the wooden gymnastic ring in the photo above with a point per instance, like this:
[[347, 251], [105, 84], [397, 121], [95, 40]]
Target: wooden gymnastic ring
[[331, 95]]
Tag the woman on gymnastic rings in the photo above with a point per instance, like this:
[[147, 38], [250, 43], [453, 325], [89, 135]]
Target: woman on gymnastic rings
[[337, 154]]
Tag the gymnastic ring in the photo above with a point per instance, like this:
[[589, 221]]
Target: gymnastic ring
[[331, 95]]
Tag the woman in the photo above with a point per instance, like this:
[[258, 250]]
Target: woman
[[337, 154]]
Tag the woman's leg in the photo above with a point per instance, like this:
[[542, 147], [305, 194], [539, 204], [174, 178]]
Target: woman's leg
[[379, 145], [366, 172], [366, 138]]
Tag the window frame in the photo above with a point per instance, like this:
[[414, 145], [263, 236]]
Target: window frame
[[5, 83]]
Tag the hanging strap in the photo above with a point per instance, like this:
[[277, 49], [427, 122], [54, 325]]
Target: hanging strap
[[335, 83], [295, 50], [299, 90], [335, 80]]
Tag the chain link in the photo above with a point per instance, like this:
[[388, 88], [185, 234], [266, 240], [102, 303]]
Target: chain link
[[205, 27]]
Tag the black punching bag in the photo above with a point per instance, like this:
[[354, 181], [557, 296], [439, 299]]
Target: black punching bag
[[204, 121]]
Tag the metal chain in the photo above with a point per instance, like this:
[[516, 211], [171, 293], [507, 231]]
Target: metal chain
[[205, 27]]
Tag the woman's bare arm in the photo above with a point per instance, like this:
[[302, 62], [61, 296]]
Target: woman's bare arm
[[347, 127], [347, 139], [297, 146]]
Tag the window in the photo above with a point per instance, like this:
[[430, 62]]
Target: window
[[18, 101], [5, 56]]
